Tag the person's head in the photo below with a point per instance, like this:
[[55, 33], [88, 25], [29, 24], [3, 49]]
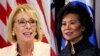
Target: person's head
[[23, 24], [74, 22]]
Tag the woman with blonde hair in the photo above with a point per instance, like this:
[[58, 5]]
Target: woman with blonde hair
[[24, 33]]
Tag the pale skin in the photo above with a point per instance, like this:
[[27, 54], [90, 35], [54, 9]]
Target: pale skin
[[25, 35], [72, 29]]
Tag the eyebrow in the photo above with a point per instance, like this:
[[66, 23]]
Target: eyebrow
[[24, 19]]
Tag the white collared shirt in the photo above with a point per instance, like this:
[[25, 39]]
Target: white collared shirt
[[40, 49]]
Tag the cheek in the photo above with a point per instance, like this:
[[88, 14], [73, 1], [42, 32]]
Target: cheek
[[62, 29], [17, 30], [77, 28], [34, 28]]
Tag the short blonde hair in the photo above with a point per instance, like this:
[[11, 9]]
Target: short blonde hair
[[32, 13]]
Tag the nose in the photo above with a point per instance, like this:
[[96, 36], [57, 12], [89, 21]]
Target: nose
[[67, 26], [28, 26]]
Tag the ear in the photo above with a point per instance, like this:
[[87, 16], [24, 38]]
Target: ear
[[13, 29], [35, 33]]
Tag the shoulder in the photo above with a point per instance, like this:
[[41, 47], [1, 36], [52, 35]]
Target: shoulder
[[92, 51], [42, 44], [7, 50], [41, 49], [4, 50], [98, 52]]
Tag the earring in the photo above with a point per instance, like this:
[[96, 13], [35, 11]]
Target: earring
[[13, 34]]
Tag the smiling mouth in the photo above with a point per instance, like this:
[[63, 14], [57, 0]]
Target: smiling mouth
[[69, 33], [27, 33]]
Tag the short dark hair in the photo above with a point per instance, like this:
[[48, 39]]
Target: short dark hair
[[84, 18]]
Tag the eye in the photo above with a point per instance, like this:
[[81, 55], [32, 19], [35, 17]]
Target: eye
[[32, 21], [21, 21], [63, 23], [72, 22]]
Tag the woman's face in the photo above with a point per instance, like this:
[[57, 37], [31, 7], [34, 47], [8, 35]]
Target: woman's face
[[71, 28], [24, 27]]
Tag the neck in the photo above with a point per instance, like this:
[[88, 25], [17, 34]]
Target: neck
[[25, 48], [74, 42]]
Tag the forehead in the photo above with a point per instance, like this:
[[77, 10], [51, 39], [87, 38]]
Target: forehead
[[70, 16], [21, 15]]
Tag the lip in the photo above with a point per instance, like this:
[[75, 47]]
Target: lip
[[27, 34], [69, 33]]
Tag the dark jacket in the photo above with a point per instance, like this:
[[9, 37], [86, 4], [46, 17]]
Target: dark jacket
[[82, 48]]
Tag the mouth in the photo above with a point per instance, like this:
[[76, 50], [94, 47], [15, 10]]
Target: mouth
[[27, 34], [69, 33]]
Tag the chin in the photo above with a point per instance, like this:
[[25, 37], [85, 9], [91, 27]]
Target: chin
[[69, 39], [27, 40]]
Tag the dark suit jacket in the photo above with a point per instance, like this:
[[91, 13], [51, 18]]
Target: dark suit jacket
[[82, 48]]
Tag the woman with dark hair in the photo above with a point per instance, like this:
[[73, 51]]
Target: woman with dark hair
[[75, 25]]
